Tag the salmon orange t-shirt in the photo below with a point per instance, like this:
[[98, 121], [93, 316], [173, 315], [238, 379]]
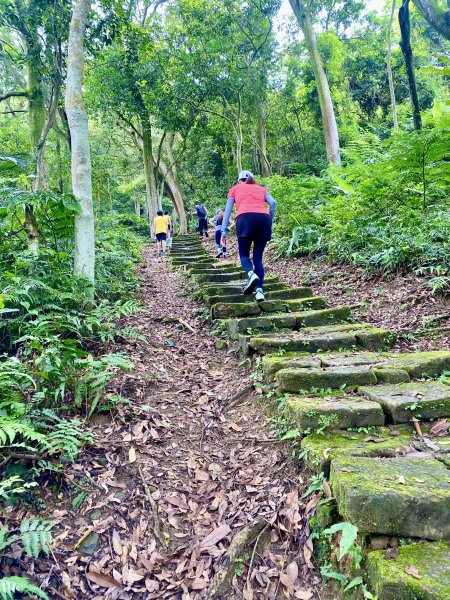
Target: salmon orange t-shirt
[[249, 198]]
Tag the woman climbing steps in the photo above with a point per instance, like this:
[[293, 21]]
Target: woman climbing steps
[[253, 226]]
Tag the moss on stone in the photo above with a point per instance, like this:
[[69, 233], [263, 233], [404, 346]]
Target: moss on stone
[[227, 310], [296, 380], [403, 496], [314, 318], [375, 338], [389, 580], [272, 363], [423, 364], [390, 375]]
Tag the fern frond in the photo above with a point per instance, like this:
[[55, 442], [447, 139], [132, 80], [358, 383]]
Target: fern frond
[[10, 585], [36, 536]]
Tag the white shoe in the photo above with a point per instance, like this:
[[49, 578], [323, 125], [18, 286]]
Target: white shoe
[[252, 282], [219, 253], [259, 295]]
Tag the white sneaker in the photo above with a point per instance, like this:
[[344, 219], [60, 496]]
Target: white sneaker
[[219, 253], [259, 295], [252, 282]]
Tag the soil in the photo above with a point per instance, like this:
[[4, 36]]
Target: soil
[[151, 506]]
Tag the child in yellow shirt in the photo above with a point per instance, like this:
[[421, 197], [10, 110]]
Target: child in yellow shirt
[[161, 227]]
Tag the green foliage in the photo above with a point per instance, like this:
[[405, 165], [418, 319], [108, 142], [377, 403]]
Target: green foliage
[[9, 586], [348, 537]]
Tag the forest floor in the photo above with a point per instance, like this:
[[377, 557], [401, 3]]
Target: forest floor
[[172, 477]]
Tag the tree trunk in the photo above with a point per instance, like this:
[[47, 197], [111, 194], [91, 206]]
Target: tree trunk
[[174, 183], [265, 165], [149, 172], [389, 68], [81, 158], [405, 45], [436, 17], [326, 105]]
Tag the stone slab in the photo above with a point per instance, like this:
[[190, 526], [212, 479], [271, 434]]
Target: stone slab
[[402, 402], [389, 580], [297, 380], [271, 363], [316, 413], [423, 364], [371, 494], [353, 359]]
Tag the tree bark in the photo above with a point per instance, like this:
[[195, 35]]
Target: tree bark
[[326, 104], [436, 17], [149, 172], [405, 45], [389, 68], [265, 165], [81, 158], [174, 183]]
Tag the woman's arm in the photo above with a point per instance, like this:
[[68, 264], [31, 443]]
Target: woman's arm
[[226, 216], [272, 204]]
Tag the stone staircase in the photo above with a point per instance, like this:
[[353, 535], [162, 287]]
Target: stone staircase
[[365, 413]]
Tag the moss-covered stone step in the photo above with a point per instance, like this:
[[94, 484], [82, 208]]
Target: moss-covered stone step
[[228, 291], [390, 580], [316, 339], [276, 291], [225, 277], [296, 379], [210, 270], [320, 413], [295, 320], [401, 402], [402, 496], [321, 449], [225, 310]]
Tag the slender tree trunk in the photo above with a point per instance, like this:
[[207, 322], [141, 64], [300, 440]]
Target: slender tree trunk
[[150, 174], [405, 45], [265, 165], [137, 207], [389, 68], [81, 158], [174, 183], [110, 195], [326, 105]]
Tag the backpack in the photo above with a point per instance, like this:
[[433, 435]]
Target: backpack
[[201, 212]]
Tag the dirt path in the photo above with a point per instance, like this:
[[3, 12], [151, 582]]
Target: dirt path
[[173, 478]]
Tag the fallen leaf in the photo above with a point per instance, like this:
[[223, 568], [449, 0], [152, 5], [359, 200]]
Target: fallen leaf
[[292, 571], [215, 536], [391, 553], [401, 480], [201, 475], [116, 542], [83, 537], [177, 501], [103, 580], [327, 489], [410, 570], [303, 595], [132, 455]]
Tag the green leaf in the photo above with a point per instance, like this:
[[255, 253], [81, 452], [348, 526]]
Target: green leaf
[[349, 534]]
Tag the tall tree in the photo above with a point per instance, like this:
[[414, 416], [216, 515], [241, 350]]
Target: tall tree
[[405, 45], [389, 67], [330, 128], [81, 158], [436, 15]]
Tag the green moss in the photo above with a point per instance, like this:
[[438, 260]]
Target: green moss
[[272, 363], [295, 379], [389, 580], [390, 375], [423, 364]]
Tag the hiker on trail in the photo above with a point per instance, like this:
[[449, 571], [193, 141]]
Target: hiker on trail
[[169, 229], [253, 226], [202, 215], [161, 230], [221, 242]]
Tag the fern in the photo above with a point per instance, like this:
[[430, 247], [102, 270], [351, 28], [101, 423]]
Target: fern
[[36, 537], [10, 585]]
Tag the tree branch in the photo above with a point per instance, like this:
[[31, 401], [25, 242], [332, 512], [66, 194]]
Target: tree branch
[[14, 95]]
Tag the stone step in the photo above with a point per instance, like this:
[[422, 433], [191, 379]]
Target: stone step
[[189, 256], [402, 496], [390, 580], [225, 310], [322, 339], [282, 292], [296, 379], [231, 289], [321, 449], [404, 401], [317, 413], [287, 320], [199, 270], [221, 277]]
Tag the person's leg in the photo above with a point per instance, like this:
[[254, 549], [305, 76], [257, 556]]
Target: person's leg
[[200, 227], [205, 226], [163, 246], [258, 251], [244, 245], [218, 238]]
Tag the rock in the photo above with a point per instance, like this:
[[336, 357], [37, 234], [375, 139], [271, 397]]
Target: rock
[[296, 380], [390, 581], [404, 497], [271, 321], [220, 344], [403, 401], [271, 363], [333, 412], [315, 318], [228, 310], [379, 542], [423, 364], [322, 449], [361, 358], [89, 544], [376, 338], [219, 277], [390, 375]]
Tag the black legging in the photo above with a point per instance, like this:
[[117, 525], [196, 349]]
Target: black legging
[[203, 226], [244, 244]]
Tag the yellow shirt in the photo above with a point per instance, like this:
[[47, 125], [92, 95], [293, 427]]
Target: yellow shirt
[[167, 218], [160, 225]]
